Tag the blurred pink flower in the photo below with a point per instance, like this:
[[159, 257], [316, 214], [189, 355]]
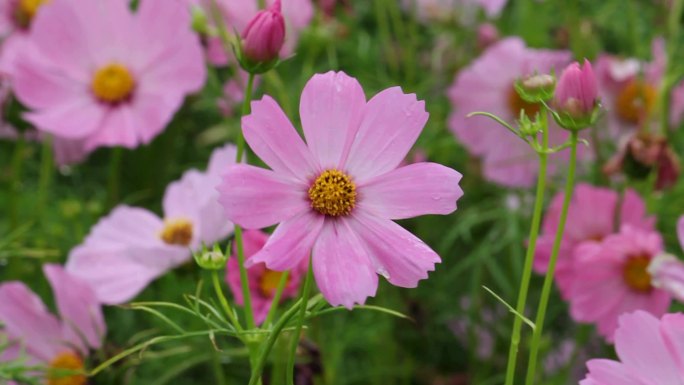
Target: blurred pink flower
[[234, 92], [59, 343], [16, 17], [487, 34], [431, 10], [650, 351], [487, 85], [592, 216], [668, 271], [95, 72], [262, 281], [131, 247], [611, 277], [336, 196], [577, 90]]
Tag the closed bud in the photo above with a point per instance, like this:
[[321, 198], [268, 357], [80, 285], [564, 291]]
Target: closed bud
[[264, 36], [576, 97], [213, 259], [536, 88]]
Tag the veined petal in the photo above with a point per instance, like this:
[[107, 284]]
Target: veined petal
[[254, 197], [391, 123], [410, 191], [331, 108], [344, 272]]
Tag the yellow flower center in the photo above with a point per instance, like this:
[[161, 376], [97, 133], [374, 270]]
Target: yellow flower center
[[635, 101], [333, 193], [177, 232], [113, 83], [26, 10], [635, 273], [60, 368], [268, 282], [516, 103]]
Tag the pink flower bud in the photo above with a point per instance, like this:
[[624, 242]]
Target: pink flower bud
[[487, 34], [265, 34], [577, 90]]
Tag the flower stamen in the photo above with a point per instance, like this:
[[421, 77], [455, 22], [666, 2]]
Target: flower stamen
[[635, 273], [26, 10], [635, 101], [268, 282], [333, 193], [60, 366], [177, 232], [113, 83]]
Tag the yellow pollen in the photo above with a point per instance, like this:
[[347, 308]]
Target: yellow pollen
[[177, 232], [113, 83], [58, 373], [26, 10], [516, 103], [268, 282], [635, 101], [333, 193], [635, 273]]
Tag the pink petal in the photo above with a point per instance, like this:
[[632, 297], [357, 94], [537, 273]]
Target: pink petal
[[220, 159], [254, 197], [79, 308], [343, 270], [26, 318], [398, 255], [391, 123], [672, 330], [291, 241], [608, 372], [75, 118], [680, 231], [410, 191], [118, 128], [641, 347], [273, 138], [330, 109]]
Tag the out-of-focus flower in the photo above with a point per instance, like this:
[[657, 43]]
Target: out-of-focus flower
[[644, 153], [650, 351], [234, 92], [463, 10], [487, 34], [668, 271], [58, 343], [16, 17], [132, 246], [337, 195], [264, 36], [488, 85], [610, 278], [263, 282], [576, 97], [120, 78], [594, 213]]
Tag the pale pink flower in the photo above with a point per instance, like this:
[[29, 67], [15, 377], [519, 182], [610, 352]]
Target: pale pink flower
[[650, 352], [16, 17], [487, 84], [262, 281], [592, 216], [131, 247], [431, 10], [668, 271], [96, 72], [577, 90], [610, 278], [336, 196], [59, 343]]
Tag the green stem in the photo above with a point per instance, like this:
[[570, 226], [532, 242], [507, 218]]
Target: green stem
[[15, 182], [276, 298], [46, 172], [531, 248], [224, 302], [216, 365], [114, 178], [548, 279], [295, 337], [245, 112], [385, 36]]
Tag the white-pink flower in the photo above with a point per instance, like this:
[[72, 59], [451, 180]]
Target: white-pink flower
[[336, 196]]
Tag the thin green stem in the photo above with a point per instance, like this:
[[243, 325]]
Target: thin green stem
[[46, 173], [15, 181], [284, 278], [670, 79], [385, 36], [531, 248], [245, 112], [295, 336], [548, 279], [224, 301], [114, 178]]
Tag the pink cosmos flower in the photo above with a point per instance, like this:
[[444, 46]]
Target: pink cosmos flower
[[488, 85], [592, 216], [16, 17], [56, 343], [132, 246], [98, 73], [262, 281], [610, 278], [667, 270], [577, 90], [336, 196], [650, 352]]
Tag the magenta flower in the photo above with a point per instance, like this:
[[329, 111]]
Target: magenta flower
[[577, 90], [131, 247], [57, 343], [336, 196], [95, 72], [650, 352], [264, 36], [262, 281], [611, 277], [487, 85], [592, 217]]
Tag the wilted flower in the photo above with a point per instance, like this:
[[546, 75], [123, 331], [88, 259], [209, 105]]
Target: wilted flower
[[336, 197], [61, 344], [576, 97], [264, 36]]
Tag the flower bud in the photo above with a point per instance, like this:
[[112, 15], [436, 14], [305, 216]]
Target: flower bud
[[536, 88], [576, 97], [264, 36], [213, 259], [487, 34]]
